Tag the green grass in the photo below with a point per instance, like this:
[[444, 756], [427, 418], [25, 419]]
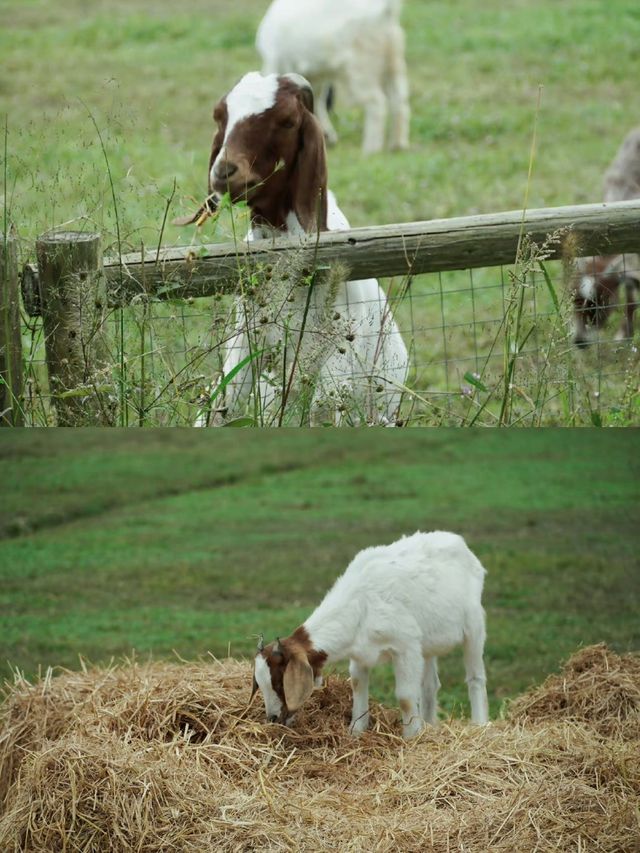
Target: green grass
[[150, 73], [147, 74], [168, 541]]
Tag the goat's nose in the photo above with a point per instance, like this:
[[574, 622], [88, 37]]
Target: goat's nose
[[225, 170], [273, 718]]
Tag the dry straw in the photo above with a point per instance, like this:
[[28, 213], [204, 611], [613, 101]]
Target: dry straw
[[168, 757]]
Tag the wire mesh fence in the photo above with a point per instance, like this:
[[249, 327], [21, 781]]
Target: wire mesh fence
[[497, 346], [486, 346]]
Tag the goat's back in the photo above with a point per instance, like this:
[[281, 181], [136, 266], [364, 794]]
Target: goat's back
[[622, 178], [436, 558], [315, 37], [428, 585]]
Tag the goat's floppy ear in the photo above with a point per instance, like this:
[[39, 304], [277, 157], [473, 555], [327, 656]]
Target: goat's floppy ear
[[216, 147], [309, 178], [254, 688], [297, 681], [220, 116]]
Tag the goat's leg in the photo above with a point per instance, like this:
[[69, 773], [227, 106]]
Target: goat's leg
[[322, 112], [409, 667], [430, 687], [397, 90], [631, 297], [233, 398], [375, 116], [222, 403], [392, 362], [474, 668], [581, 335], [229, 401], [360, 688]]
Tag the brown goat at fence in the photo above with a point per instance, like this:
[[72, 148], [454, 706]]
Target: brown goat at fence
[[603, 282], [269, 151]]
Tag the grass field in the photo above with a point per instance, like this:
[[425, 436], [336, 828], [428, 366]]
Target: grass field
[[108, 123], [169, 541], [149, 73]]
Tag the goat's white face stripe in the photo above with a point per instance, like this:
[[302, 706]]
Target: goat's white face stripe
[[253, 95], [272, 704], [587, 288]]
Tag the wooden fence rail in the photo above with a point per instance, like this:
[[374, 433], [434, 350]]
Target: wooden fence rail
[[389, 250], [71, 286]]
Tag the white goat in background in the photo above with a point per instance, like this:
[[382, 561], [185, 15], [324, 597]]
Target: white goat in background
[[357, 45], [411, 601]]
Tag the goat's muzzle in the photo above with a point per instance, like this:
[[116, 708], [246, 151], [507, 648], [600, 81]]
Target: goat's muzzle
[[233, 173], [284, 718], [239, 187]]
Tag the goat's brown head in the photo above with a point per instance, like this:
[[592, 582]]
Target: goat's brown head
[[284, 675], [594, 288], [268, 149]]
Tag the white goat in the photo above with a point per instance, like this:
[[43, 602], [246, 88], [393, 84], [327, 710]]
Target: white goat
[[357, 45], [269, 151], [411, 601]]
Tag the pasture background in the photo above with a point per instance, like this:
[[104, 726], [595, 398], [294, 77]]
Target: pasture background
[[149, 72], [167, 541], [133, 83]]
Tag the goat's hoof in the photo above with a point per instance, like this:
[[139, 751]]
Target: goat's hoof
[[357, 728], [413, 729]]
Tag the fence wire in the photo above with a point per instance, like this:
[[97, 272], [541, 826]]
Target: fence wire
[[486, 346]]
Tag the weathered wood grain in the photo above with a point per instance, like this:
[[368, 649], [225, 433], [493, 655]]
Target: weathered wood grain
[[401, 249]]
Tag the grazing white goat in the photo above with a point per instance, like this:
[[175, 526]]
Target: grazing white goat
[[357, 45], [411, 601], [269, 150], [599, 280]]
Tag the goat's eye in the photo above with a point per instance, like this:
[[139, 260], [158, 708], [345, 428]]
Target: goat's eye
[[288, 124]]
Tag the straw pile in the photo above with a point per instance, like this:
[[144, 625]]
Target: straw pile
[[167, 757]]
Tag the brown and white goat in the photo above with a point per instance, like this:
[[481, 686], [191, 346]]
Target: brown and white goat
[[410, 601], [600, 285], [603, 282], [268, 150]]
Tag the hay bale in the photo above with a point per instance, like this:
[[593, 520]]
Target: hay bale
[[161, 757], [596, 686]]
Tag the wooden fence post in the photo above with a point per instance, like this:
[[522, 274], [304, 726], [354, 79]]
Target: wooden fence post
[[11, 411], [73, 306]]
